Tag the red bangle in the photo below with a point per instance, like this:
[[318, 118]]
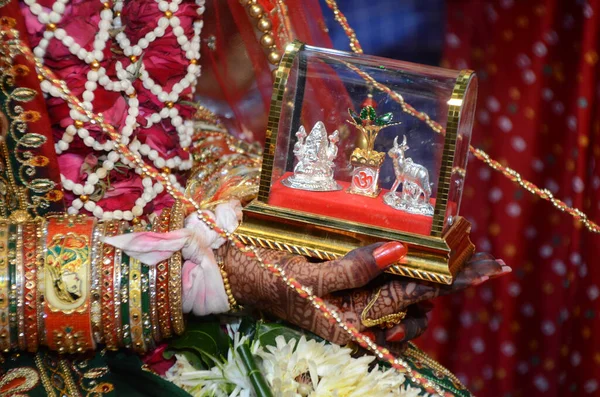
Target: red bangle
[[67, 284], [31, 256]]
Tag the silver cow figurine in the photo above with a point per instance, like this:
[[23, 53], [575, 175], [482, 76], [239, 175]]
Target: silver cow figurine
[[416, 190]]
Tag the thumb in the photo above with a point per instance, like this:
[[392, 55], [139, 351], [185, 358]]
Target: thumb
[[359, 266]]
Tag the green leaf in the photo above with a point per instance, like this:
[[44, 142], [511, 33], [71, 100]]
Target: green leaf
[[32, 140], [384, 119], [355, 116], [266, 333], [193, 358], [41, 185], [368, 113], [204, 338], [248, 327], [23, 94]]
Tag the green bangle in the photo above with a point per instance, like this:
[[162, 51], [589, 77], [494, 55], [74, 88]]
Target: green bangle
[[12, 277], [146, 318], [126, 339]]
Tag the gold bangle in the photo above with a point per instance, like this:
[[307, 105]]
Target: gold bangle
[[175, 265], [30, 260], [42, 234], [19, 282], [110, 320], [135, 306], [4, 288], [387, 321], [233, 305], [95, 282], [162, 282]]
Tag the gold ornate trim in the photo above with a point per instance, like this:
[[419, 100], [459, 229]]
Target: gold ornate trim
[[291, 248], [455, 105], [281, 76]]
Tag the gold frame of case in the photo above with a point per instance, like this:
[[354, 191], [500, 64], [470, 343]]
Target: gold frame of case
[[436, 258]]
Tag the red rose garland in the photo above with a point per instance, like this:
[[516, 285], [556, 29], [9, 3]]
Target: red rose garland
[[164, 62]]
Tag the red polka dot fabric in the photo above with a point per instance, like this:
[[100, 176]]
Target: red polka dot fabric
[[535, 332]]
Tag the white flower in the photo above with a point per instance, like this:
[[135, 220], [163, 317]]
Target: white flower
[[298, 368], [226, 378], [304, 367]]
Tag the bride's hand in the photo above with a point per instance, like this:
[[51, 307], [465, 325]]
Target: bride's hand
[[348, 285]]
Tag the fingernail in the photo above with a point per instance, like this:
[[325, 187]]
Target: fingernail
[[506, 269], [481, 280], [396, 335], [389, 253]]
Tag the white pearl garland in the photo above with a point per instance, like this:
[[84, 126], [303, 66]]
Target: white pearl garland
[[97, 76]]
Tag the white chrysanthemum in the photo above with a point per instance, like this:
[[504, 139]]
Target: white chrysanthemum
[[316, 369], [298, 368]]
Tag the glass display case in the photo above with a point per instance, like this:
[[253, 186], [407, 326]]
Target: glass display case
[[362, 149]]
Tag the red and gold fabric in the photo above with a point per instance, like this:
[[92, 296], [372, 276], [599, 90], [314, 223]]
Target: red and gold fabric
[[28, 160]]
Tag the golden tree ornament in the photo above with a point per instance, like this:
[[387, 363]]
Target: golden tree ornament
[[367, 161]]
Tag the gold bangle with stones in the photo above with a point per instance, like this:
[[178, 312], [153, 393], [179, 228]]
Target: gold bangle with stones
[[4, 288], [30, 260], [117, 287], [108, 289], [175, 267], [95, 297], [42, 234], [135, 306], [153, 312], [162, 281], [12, 277], [20, 289]]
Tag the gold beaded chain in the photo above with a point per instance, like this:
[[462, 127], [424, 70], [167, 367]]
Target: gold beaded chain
[[264, 25], [341, 19], [479, 154]]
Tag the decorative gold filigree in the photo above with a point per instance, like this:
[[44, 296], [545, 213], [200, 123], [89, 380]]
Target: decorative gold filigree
[[21, 187], [18, 381]]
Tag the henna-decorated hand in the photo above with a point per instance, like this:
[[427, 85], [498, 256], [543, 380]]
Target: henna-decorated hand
[[346, 284]]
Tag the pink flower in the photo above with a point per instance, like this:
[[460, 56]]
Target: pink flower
[[164, 139], [164, 200], [157, 362], [123, 193], [70, 166], [139, 17]]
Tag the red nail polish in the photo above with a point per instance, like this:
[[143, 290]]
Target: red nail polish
[[397, 335], [389, 253]]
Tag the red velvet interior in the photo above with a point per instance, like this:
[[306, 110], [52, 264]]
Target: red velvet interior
[[351, 207]]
